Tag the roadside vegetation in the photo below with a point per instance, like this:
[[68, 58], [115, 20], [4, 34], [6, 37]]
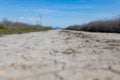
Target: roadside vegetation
[[8, 27], [106, 26]]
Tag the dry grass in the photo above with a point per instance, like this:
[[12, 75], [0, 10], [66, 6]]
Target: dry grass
[[69, 51]]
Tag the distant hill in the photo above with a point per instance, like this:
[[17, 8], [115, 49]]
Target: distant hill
[[57, 28]]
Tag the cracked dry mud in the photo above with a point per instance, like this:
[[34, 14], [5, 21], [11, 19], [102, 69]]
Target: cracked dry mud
[[60, 55]]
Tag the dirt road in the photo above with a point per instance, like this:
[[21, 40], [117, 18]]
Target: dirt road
[[60, 55]]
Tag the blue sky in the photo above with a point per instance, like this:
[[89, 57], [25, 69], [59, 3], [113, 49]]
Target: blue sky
[[59, 12]]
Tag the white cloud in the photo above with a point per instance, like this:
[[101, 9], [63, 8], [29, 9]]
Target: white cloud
[[34, 19], [22, 18], [30, 19]]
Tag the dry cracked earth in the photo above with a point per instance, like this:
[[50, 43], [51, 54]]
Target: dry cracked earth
[[60, 55]]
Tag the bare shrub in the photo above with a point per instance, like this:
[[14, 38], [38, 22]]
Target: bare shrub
[[8, 27], [9, 24], [111, 26]]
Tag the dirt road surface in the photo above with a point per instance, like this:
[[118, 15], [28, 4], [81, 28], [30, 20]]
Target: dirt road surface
[[60, 55]]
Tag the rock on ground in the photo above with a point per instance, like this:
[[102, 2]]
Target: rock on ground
[[60, 55]]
